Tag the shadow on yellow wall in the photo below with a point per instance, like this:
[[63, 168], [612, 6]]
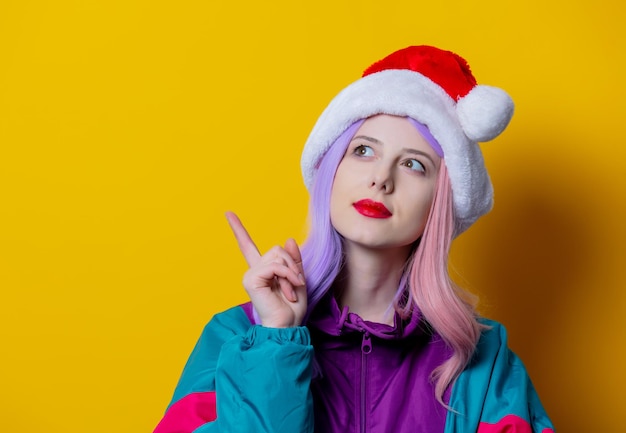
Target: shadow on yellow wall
[[546, 263]]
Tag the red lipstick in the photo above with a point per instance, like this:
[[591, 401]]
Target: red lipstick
[[372, 209]]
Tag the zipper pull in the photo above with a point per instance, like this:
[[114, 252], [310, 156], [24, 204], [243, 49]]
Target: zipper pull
[[366, 345]]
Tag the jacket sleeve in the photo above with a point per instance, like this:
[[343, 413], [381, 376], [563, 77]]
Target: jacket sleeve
[[242, 378], [494, 394]]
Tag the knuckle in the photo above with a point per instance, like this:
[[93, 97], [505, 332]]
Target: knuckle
[[275, 250]]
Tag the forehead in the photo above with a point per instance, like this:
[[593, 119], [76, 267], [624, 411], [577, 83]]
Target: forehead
[[394, 131]]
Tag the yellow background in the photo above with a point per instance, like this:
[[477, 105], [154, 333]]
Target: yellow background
[[128, 127]]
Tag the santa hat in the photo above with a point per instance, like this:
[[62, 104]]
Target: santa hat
[[436, 88]]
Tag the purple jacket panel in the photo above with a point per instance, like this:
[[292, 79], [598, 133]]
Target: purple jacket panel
[[367, 370]]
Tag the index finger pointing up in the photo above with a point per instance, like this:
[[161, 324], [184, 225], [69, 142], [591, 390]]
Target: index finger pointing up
[[246, 244]]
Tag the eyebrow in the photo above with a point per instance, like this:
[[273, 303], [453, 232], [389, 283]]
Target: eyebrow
[[406, 149]]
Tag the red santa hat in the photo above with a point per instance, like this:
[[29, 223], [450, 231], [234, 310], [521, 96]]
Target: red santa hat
[[436, 88]]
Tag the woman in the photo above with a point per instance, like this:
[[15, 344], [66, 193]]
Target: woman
[[364, 331]]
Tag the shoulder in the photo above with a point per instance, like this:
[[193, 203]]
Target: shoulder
[[493, 348], [492, 355], [494, 331], [493, 337]]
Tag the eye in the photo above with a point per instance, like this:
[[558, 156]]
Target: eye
[[363, 150], [414, 165]]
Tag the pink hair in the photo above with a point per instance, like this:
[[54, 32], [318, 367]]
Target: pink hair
[[448, 309]]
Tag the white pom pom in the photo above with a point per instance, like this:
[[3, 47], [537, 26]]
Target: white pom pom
[[484, 112]]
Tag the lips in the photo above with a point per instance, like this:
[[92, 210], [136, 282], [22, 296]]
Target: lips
[[372, 209]]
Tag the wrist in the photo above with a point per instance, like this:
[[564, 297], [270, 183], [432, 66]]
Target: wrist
[[278, 320], [278, 324]]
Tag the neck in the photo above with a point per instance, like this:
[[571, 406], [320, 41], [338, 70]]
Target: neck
[[369, 281]]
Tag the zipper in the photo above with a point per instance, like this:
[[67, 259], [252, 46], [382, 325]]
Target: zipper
[[366, 349]]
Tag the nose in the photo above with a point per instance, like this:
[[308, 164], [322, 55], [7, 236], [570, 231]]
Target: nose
[[382, 179]]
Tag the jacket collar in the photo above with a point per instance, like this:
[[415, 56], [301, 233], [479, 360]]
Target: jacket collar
[[329, 318]]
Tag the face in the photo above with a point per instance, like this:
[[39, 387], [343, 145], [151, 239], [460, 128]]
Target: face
[[384, 185]]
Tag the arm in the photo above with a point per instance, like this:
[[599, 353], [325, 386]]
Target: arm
[[265, 378], [243, 378], [251, 379]]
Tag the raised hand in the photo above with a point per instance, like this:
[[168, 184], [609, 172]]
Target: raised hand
[[275, 281]]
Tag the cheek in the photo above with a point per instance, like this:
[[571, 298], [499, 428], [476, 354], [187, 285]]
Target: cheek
[[421, 212], [341, 197], [334, 201], [340, 187], [337, 202], [333, 205]]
